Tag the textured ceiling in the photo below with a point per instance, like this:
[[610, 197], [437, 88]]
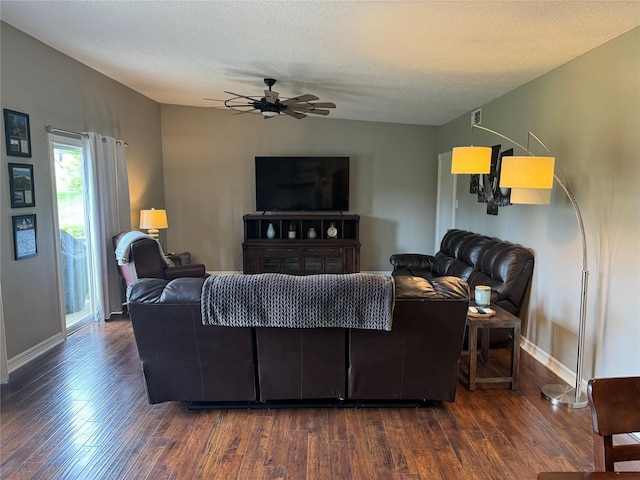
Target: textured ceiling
[[391, 61]]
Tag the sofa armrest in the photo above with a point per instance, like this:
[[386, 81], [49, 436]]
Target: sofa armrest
[[175, 259], [411, 260], [189, 270], [184, 290], [179, 258]]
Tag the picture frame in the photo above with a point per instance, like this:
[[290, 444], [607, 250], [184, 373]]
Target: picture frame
[[21, 185], [17, 133], [25, 236]]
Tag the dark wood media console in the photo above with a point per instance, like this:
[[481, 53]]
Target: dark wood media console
[[301, 255]]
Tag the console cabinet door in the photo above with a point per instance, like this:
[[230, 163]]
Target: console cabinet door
[[280, 260], [323, 260]]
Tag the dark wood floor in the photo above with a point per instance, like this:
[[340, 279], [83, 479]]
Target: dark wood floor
[[81, 412]]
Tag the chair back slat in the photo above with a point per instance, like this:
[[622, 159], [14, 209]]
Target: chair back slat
[[615, 409]]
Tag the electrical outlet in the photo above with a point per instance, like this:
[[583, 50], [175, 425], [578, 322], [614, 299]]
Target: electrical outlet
[[476, 117]]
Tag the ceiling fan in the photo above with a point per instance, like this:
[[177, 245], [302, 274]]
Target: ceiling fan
[[271, 106]]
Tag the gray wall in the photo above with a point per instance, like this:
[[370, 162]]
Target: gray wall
[[56, 90], [588, 113], [209, 179]]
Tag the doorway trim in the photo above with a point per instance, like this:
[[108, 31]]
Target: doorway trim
[[446, 205], [54, 142]]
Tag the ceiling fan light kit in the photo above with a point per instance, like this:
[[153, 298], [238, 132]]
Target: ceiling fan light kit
[[271, 106]]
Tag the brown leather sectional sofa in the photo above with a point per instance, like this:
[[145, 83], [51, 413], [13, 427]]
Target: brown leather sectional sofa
[[184, 360]]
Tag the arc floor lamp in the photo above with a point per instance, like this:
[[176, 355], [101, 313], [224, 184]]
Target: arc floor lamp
[[531, 179]]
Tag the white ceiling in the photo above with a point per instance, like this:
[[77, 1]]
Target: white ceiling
[[421, 62]]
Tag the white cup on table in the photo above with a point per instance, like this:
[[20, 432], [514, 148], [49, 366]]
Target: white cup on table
[[483, 295]]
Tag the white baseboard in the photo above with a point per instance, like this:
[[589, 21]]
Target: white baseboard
[[557, 368], [34, 352]]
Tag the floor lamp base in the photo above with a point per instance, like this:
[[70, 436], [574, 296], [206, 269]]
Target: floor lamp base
[[564, 396]]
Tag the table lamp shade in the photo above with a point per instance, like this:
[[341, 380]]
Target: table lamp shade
[[153, 220], [471, 160], [530, 196], [527, 172]]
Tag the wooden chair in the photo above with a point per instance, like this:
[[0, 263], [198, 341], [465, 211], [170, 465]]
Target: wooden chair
[[615, 409]]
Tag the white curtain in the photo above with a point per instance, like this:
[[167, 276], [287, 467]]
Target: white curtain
[[107, 195]]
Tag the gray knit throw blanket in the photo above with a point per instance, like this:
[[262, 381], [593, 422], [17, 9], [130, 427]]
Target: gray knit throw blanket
[[354, 300]]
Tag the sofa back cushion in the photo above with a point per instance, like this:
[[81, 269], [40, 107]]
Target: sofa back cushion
[[481, 260]]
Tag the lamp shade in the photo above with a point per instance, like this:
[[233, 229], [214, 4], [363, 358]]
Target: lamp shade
[[530, 196], [153, 219], [473, 160], [527, 172]]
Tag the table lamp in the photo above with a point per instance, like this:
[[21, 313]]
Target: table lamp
[[152, 220]]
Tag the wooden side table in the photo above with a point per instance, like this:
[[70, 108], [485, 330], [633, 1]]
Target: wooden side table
[[502, 319]]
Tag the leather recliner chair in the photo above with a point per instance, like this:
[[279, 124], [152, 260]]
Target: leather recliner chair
[[146, 261]]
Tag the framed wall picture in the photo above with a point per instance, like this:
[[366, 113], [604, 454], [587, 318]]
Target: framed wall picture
[[25, 236], [17, 133], [21, 185]]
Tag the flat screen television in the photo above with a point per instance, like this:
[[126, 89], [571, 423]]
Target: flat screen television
[[299, 184]]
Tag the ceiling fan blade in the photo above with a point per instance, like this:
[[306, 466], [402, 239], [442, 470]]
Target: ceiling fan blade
[[243, 105], [300, 108], [309, 108], [293, 114], [302, 98], [271, 96], [319, 111], [324, 105], [213, 99], [312, 106], [241, 96]]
